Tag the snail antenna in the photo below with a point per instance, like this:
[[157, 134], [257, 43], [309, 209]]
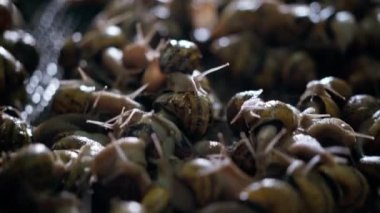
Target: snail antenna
[[136, 93], [275, 141], [212, 70], [157, 145], [248, 144]]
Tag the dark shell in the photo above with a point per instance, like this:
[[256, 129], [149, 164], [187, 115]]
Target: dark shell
[[23, 46], [193, 112], [360, 108], [180, 56], [14, 133]]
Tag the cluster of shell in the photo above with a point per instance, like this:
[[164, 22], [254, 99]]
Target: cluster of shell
[[143, 131]]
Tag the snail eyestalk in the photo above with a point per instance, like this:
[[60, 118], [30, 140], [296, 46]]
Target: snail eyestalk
[[207, 72], [136, 93], [361, 135], [248, 144], [275, 140], [98, 95], [157, 145]]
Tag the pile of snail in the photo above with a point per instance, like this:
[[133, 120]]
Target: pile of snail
[[137, 125]]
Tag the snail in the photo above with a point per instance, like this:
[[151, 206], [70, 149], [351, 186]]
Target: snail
[[179, 56], [138, 123], [79, 169], [359, 108], [314, 192], [243, 155], [34, 165], [264, 138], [254, 111], [6, 15], [53, 129], [70, 54], [132, 147], [334, 32], [207, 147], [335, 132], [14, 132], [188, 102], [268, 195], [311, 186], [116, 176], [118, 206], [81, 98], [75, 142], [22, 46], [317, 98], [210, 179], [99, 38], [284, 22], [12, 76], [234, 105], [301, 66], [352, 186], [243, 51], [371, 127], [156, 199]]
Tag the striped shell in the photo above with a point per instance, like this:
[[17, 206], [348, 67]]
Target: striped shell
[[180, 56], [193, 112]]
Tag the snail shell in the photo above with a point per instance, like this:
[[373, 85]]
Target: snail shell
[[14, 133], [6, 21], [334, 132], [269, 194], [192, 111], [314, 192], [12, 75], [35, 165], [204, 186], [352, 185], [23, 46], [359, 108], [180, 56], [234, 106]]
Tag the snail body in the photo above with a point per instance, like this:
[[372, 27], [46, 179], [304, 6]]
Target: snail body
[[80, 99]]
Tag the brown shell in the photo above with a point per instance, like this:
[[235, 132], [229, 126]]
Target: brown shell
[[71, 100], [35, 165], [333, 132], [6, 21], [234, 106], [243, 158], [203, 183], [96, 40], [269, 194], [12, 72], [14, 133], [23, 46], [317, 97], [180, 56], [315, 193], [192, 111], [172, 140], [360, 108], [352, 185]]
